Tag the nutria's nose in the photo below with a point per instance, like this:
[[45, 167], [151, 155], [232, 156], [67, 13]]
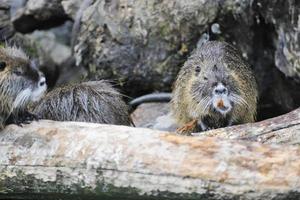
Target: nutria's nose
[[220, 89]]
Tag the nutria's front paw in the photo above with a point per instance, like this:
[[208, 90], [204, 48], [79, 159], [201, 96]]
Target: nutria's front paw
[[12, 119], [22, 118], [28, 117], [187, 128]]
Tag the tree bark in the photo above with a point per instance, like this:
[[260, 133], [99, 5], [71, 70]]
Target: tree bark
[[68, 160], [284, 129]]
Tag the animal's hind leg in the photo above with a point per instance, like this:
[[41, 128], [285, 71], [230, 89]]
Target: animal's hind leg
[[27, 117], [21, 118], [13, 119]]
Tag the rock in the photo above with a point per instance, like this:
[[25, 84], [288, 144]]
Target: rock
[[141, 44], [154, 115], [62, 33], [287, 39], [76, 9], [283, 30], [146, 114], [71, 7], [39, 14], [70, 73], [6, 27], [165, 123], [47, 40], [16, 5]]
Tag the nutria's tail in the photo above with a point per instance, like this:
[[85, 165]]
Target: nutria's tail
[[155, 97]]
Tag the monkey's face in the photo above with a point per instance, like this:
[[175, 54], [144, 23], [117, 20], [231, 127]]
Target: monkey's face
[[214, 89], [20, 81]]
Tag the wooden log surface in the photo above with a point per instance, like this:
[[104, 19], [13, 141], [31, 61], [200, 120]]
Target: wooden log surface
[[68, 160], [284, 129]]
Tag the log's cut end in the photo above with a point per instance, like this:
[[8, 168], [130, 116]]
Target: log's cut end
[[284, 129], [61, 160]]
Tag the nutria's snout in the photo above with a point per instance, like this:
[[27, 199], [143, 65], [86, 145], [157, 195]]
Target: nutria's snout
[[221, 102], [220, 89], [42, 81], [40, 89]]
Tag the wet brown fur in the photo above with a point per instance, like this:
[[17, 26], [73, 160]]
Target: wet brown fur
[[93, 101], [15, 77], [185, 108]]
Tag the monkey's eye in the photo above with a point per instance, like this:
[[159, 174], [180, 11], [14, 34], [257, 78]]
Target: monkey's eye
[[2, 65], [197, 69]]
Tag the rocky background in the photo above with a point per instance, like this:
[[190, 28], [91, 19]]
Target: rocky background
[[141, 45]]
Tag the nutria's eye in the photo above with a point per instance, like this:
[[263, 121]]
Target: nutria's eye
[[205, 78], [197, 69], [17, 72], [2, 65]]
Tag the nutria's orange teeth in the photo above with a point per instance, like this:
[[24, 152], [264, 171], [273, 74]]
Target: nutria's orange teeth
[[220, 104]]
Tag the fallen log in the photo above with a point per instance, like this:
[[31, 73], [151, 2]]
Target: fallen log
[[284, 129], [68, 160]]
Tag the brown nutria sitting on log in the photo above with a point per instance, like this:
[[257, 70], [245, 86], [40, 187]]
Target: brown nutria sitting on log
[[20, 83], [215, 88], [93, 101]]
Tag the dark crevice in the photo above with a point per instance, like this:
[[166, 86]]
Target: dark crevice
[[277, 93], [256, 39]]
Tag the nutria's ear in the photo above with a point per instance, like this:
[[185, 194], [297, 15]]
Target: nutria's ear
[[215, 68], [197, 69], [2, 65]]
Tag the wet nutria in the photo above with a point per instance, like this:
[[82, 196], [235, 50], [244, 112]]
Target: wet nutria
[[215, 88], [20, 83], [93, 101]]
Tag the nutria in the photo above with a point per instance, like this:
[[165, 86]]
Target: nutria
[[215, 88], [20, 83], [93, 101]]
